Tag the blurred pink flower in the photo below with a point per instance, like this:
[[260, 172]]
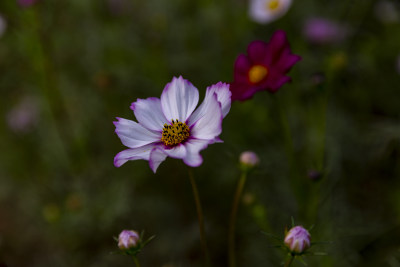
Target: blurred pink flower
[[324, 31], [26, 3], [23, 116], [3, 25]]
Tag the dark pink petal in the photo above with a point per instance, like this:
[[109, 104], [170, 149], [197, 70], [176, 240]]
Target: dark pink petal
[[242, 91], [286, 62], [257, 52], [275, 47], [241, 68], [274, 85]]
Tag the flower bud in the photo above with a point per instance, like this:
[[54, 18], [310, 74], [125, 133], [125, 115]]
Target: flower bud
[[298, 240], [128, 239], [249, 159]]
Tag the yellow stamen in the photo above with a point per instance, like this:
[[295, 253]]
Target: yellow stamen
[[175, 134], [272, 5], [257, 73]]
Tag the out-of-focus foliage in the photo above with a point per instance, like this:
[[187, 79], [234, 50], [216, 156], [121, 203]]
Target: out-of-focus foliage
[[68, 68]]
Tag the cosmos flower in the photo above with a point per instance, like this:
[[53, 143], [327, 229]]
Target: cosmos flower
[[171, 126], [265, 11], [264, 68], [298, 239]]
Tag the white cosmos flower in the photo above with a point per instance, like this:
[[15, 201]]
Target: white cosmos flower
[[171, 126], [265, 11]]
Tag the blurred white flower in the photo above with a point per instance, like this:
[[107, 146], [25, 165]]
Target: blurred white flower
[[265, 11], [386, 12]]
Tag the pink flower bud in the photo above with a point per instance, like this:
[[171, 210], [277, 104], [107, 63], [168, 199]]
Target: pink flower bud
[[249, 159], [298, 240], [128, 239]]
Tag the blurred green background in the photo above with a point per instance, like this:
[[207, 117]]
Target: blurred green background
[[68, 68]]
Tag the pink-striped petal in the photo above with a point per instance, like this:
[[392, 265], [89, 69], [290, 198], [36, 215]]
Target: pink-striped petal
[[133, 135], [223, 96], [177, 152], [149, 113], [157, 156], [142, 152], [206, 121], [193, 148], [179, 99]]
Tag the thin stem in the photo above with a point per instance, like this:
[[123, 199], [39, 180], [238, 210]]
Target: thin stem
[[41, 62], [200, 218], [135, 259], [232, 221], [289, 261]]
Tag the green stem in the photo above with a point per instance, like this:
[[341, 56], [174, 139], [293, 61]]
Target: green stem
[[232, 221], [200, 218], [135, 259], [41, 62], [289, 261]]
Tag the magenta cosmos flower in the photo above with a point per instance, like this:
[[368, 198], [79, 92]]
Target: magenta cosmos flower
[[171, 126], [264, 68]]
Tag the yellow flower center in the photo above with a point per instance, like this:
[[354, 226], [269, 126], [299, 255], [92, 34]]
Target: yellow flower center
[[175, 134], [272, 5], [257, 73]]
